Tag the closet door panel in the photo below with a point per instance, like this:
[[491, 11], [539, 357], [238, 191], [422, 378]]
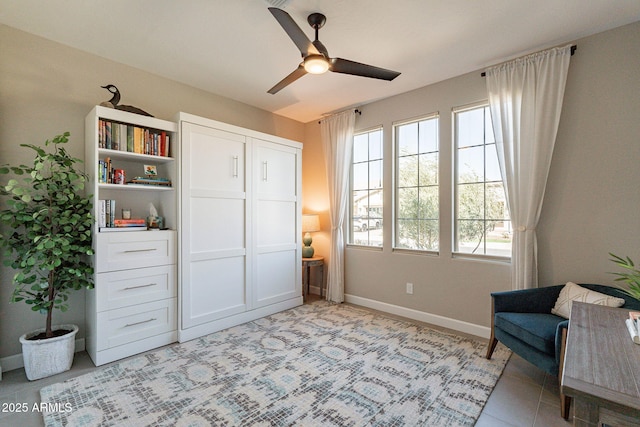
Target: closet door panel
[[217, 223], [214, 266], [276, 200], [219, 160], [215, 283], [277, 276], [276, 169], [275, 222]]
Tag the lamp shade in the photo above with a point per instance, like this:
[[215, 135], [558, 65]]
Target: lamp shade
[[316, 64], [310, 223]]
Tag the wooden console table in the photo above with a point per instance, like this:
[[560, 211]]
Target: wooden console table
[[307, 263], [601, 367]]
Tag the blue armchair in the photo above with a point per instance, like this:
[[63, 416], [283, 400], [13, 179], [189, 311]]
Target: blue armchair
[[522, 321]]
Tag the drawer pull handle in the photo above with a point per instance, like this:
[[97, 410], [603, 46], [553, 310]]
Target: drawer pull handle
[[140, 323], [141, 250], [139, 286]]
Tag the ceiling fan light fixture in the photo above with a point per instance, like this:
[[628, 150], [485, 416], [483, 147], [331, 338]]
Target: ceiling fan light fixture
[[316, 64]]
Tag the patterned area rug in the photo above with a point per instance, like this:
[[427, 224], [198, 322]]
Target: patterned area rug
[[316, 365]]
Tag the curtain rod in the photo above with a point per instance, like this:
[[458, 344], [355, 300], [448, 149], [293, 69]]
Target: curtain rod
[[358, 112], [573, 51]]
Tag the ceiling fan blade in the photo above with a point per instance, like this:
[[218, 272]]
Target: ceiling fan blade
[[339, 65], [298, 36], [295, 75]]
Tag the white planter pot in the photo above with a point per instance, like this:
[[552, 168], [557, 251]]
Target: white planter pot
[[43, 358]]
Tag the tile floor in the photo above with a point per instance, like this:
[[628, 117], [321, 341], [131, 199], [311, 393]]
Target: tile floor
[[524, 396]]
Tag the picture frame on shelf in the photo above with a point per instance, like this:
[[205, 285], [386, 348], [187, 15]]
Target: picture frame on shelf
[[150, 170]]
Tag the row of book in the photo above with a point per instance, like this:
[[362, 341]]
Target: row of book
[[134, 139], [107, 220], [107, 174]]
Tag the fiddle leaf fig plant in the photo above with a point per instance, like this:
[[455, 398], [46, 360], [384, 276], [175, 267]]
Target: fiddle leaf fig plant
[[631, 276], [47, 228]]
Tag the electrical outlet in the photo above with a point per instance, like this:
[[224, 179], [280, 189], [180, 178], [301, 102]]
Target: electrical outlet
[[410, 288]]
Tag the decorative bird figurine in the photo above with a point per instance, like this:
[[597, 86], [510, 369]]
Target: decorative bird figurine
[[113, 102]]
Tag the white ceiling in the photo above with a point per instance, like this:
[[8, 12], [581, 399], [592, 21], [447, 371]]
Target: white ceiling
[[236, 48]]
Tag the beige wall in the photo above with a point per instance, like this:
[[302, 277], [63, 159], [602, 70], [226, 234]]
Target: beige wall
[[314, 196], [592, 198], [47, 88], [592, 203]]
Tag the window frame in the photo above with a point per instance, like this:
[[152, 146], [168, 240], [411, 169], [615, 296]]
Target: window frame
[[456, 253], [396, 178]]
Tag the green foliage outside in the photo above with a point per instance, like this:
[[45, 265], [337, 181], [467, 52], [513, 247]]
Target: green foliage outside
[[480, 206], [418, 207], [480, 209], [47, 233]]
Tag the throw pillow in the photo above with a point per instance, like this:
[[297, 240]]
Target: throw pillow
[[572, 292]]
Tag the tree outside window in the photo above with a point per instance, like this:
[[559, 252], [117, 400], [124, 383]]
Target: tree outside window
[[482, 219], [417, 199]]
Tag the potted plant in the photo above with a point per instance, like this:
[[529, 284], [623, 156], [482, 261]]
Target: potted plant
[[631, 277], [46, 238]]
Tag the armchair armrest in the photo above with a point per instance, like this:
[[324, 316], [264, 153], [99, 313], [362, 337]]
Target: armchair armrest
[[538, 300], [561, 347], [561, 336]]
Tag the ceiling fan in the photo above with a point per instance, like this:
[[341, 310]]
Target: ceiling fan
[[315, 57]]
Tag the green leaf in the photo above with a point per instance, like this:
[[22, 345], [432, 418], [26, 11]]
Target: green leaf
[[631, 277], [48, 219]]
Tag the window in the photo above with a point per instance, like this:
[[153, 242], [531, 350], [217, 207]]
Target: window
[[482, 219], [366, 189], [417, 200]]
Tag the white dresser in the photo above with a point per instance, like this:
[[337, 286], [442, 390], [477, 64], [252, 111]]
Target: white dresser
[[134, 303]]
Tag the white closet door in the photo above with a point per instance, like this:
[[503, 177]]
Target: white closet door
[[277, 252], [214, 224]]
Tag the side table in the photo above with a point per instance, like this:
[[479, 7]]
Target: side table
[[307, 263]]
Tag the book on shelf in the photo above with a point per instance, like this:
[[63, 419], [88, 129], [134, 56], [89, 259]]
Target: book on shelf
[[108, 174], [104, 171], [134, 139], [106, 213], [133, 222], [118, 229], [107, 220], [140, 180]]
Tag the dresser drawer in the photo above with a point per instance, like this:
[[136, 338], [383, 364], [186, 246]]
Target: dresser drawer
[[135, 249], [118, 289], [129, 324]]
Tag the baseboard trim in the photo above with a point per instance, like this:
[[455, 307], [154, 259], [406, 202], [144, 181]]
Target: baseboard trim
[[434, 319], [315, 290], [16, 361]]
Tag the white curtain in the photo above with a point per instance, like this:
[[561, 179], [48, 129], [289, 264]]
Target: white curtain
[[526, 100], [337, 142]]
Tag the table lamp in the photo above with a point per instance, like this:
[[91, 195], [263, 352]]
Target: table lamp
[[310, 224]]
